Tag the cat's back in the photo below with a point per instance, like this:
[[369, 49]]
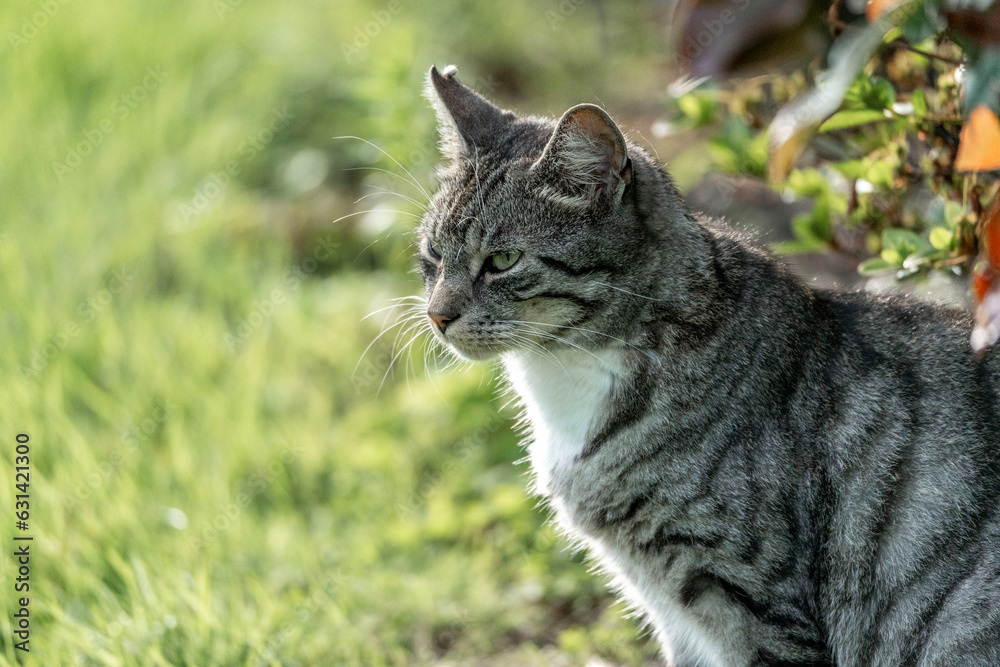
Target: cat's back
[[896, 349], [909, 427]]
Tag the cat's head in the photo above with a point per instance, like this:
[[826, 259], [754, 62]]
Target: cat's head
[[540, 235]]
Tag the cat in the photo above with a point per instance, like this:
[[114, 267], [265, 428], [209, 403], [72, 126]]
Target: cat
[[769, 473]]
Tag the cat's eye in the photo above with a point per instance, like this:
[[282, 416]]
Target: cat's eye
[[432, 251], [501, 261]]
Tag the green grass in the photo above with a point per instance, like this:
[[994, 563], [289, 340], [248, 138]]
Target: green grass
[[218, 477]]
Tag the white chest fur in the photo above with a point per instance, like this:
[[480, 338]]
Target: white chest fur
[[563, 396]]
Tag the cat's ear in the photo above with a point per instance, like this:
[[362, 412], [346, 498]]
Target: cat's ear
[[586, 160], [467, 122]]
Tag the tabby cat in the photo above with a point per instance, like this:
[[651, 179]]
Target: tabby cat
[[771, 474]]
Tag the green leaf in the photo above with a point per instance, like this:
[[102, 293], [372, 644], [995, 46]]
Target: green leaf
[[892, 257], [808, 183], [980, 85], [737, 150], [880, 173], [898, 244], [851, 168], [724, 156], [875, 266], [700, 108], [881, 95], [852, 118], [921, 24], [796, 247], [814, 227], [903, 238], [919, 261], [940, 238], [953, 213], [919, 101]]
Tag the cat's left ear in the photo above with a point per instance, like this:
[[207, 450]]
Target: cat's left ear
[[586, 160], [467, 122]]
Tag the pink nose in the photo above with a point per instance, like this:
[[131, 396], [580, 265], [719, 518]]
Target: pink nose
[[440, 321]]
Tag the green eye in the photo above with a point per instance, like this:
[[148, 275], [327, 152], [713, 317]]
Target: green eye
[[432, 251], [501, 261]]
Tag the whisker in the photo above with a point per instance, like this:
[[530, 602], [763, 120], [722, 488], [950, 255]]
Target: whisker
[[648, 298], [563, 326], [405, 170], [380, 238], [392, 362], [380, 169], [375, 210], [539, 348], [563, 341], [414, 324], [382, 333], [386, 191], [389, 307]]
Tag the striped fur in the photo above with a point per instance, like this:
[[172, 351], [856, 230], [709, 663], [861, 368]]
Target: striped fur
[[770, 474]]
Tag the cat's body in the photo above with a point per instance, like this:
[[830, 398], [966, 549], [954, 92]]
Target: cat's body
[[772, 475]]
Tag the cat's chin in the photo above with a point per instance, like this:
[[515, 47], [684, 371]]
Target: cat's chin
[[477, 353]]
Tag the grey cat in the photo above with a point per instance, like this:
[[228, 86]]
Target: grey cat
[[771, 474]]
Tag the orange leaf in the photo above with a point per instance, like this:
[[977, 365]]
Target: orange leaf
[[987, 329], [986, 282], [979, 145], [991, 235], [875, 8]]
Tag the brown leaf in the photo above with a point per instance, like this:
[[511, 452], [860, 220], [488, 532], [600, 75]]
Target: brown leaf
[[784, 153], [719, 36], [796, 122], [979, 144], [982, 27]]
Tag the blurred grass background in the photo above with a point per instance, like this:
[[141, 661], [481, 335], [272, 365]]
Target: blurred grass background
[[219, 475]]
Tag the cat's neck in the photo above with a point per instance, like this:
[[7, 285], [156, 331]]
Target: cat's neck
[[563, 395]]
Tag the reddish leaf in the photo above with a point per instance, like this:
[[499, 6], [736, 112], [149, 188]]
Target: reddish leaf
[[874, 8], [991, 235], [979, 145], [986, 282]]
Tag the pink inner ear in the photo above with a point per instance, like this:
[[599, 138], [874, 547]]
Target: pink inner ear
[[593, 125]]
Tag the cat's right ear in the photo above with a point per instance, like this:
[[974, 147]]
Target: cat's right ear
[[467, 122], [586, 159]]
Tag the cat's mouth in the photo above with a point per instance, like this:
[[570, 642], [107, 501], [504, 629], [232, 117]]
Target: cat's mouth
[[472, 351], [471, 347], [486, 343]]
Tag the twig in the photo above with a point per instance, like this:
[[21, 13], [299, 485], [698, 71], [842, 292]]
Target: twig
[[927, 54]]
